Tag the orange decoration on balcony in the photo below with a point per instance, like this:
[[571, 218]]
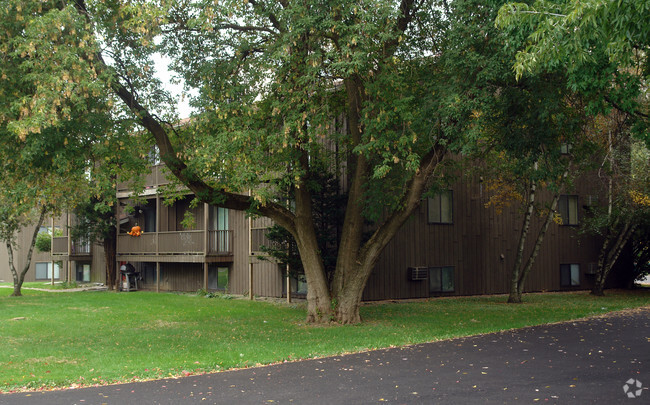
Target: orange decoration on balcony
[[135, 231]]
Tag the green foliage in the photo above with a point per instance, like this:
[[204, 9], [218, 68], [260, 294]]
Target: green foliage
[[44, 240], [603, 46], [271, 82], [516, 127]]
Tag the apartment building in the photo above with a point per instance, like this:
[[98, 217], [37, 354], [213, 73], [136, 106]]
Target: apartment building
[[452, 245]]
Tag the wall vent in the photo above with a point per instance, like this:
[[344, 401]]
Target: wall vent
[[418, 273]]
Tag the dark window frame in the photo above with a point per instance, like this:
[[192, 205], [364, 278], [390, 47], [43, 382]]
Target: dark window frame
[[566, 276], [436, 202], [446, 276], [564, 205]]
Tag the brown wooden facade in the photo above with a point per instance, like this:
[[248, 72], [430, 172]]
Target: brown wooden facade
[[479, 246], [171, 255], [476, 248]]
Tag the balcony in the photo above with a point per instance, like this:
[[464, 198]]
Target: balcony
[[77, 248], [156, 177], [176, 244], [60, 245]]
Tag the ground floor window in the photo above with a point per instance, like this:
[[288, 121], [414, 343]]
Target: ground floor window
[[441, 279], [218, 278], [148, 272], [44, 270], [569, 275], [83, 272], [298, 285]]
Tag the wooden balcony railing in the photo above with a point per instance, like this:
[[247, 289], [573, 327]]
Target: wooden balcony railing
[[259, 239], [60, 245], [156, 177], [220, 242], [175, 243], [77, 248], [80, 247]]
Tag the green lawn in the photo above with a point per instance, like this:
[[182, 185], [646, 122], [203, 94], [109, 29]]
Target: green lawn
[[43, 285], [86, 338]]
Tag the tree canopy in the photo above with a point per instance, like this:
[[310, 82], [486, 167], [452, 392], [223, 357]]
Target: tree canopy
[[603, 45], [285, 89]]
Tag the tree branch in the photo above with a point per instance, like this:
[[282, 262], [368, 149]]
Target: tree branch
[[170, 157], [274, 20], [618, 107], [245, 28]]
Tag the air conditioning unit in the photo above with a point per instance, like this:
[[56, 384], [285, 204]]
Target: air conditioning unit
[[592, 268], [418, 273]]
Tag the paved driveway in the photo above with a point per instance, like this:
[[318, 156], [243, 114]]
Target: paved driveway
[[578, 362]]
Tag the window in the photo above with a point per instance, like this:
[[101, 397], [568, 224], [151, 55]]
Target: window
[[568, 207], [44, 271], [565, 148], [217, 278], [219, 229], [83, 272], [441, 279], [154, 156], [440, 209], [569, 275]]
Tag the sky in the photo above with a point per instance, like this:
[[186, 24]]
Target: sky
[[163, 74]]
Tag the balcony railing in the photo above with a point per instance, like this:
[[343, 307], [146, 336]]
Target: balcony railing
[[156, 177], [78, 248], [176, 243], [259, 239], [220, 242], [60, 245]]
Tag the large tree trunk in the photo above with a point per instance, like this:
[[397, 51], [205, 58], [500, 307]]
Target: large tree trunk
[[319, 300], [356, 263], [19, 278]]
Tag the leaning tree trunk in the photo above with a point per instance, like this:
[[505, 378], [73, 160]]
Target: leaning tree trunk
[[355, 261], [523, 273], [19, 278], [516, 286], [608, 256]]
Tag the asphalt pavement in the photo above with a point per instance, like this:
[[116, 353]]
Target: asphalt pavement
[[600, 360]]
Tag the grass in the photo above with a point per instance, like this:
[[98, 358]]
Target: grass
[[87, 338], [46, 285]]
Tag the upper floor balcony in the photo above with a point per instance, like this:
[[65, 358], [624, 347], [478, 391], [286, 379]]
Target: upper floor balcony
[[178, 243], [156, 177], [65, 246]]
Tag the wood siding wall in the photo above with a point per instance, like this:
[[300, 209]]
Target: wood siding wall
[[267, 277], [481, 246]]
